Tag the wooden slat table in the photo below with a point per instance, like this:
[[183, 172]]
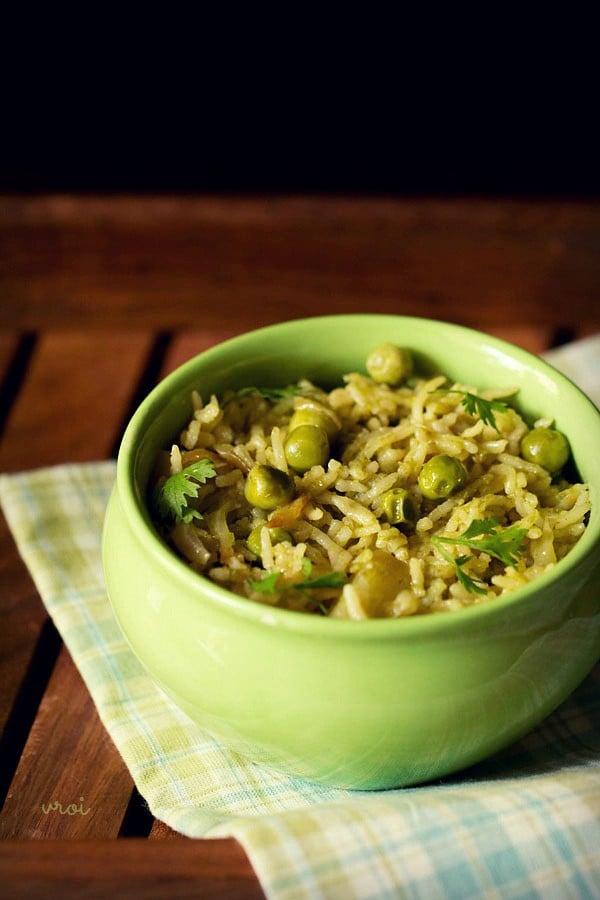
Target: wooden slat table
[[99, 298]]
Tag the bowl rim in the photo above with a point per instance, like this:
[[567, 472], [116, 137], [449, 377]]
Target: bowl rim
[[205, 590]]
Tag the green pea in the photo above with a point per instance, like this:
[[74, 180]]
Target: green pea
[[399, 507], [441, 476], [267, 487], [389, 364], [546, 447], [314, 415], [276, 536], [306, 446]]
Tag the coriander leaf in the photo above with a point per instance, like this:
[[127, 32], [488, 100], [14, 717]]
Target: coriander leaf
[[329, 580], [332, 579], [479, 406], [272, 394], [171, 496], [461, 560], [318, 604], [266, 585], [470, 584], [504, 544], [473, 586], [481, 526]]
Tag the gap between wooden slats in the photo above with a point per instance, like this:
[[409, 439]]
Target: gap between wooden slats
[[9, 342], [15, 353]]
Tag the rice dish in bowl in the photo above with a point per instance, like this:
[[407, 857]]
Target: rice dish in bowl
[[406, 694], [357, 533]]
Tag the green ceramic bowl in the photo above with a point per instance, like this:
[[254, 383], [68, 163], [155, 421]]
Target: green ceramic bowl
[[373, 704]]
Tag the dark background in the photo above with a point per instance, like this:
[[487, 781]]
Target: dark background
[[534, 137], [542, 166], [567, 174]]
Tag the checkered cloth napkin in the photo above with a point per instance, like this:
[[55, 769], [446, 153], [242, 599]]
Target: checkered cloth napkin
[[524, 824]]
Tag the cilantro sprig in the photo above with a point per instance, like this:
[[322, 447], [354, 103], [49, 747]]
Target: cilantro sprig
[[273, 394], [484, 535], [505, 544], [171, 497], [269, 584], [475, 405], [472, 585], [330, 580]]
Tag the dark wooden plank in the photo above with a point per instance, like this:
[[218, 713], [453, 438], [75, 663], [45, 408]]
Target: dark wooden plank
[[125, 869], [70, 782], [78, 385], [162, 832], [191, 342], [23, 620], [190, 262], [24, 637], [91, 775], [68, 409]]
